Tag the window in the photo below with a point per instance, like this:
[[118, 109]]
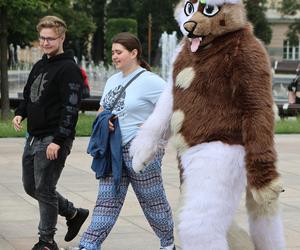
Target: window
[[291, 52]]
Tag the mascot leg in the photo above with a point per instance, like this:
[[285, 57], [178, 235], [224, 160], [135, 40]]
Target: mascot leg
[[213, 181], [265, 224], [238, 238]]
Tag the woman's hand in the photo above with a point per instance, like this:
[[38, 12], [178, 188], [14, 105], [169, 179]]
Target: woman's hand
[[110, 123], [101, 109]]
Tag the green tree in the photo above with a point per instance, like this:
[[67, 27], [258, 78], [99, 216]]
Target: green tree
[[115, 26], [290, 7], [161, 13], [13, 16], [3, 63], [18, 19], [78, 16], [256, 14], [162, 20], [98, 39], [122, 8]]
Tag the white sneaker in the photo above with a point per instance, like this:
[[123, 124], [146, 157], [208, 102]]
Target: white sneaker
[[171, 247]]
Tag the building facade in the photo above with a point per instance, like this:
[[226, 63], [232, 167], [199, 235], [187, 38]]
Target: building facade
[[280, 48]]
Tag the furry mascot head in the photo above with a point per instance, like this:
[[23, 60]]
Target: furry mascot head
[[203, 21], [219, 108]]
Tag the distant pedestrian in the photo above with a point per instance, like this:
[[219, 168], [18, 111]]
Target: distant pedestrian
[[52, 97], [294, 88], [86, 90], [130, 108]]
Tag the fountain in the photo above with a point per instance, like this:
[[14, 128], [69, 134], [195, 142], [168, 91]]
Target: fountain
[[168, 44], [17, 75], [97, 74]]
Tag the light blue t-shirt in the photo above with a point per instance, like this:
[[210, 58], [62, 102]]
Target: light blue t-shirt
[[136, 103]]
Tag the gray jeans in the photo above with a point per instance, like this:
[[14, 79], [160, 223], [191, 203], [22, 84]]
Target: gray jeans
[[40, 177]]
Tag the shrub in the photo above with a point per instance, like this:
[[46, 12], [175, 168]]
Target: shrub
[[115, 26]]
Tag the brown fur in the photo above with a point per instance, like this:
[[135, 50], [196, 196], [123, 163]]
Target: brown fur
[[230, 98]]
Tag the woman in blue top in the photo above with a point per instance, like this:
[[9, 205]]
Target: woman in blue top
[[132, 109]]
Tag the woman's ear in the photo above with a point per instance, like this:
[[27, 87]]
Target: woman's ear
[[134, 52]]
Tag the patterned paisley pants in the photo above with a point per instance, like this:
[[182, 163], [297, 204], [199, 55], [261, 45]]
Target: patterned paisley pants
[[148, 187]]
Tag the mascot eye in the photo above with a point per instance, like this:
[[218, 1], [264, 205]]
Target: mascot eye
[[188, 8], [210, 10]]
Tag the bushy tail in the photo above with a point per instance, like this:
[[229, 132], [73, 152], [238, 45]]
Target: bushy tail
[[265, 224]]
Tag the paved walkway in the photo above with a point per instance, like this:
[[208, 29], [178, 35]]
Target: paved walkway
[[19, 212]]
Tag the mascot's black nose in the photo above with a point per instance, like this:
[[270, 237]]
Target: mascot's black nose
[[190, 26]]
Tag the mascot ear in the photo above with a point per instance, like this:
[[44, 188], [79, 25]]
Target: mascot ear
[[180, 16]]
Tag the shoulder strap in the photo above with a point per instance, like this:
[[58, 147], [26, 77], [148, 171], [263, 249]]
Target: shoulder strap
[[124, 88]]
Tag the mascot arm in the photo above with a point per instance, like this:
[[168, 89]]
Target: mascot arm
[[258, 127], [151, 135]]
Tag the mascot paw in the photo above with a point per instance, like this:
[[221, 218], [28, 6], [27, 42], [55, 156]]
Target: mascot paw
[[140, 161], [267, 194], [142, 151], [137, 165]]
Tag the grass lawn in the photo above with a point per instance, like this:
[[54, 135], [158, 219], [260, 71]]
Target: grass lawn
[[288, 126], [83, 128], [85, 121]]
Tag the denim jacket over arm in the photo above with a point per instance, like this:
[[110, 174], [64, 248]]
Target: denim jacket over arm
[[106, 148]]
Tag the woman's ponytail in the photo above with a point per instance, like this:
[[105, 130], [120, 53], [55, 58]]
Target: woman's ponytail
[[145, 65]]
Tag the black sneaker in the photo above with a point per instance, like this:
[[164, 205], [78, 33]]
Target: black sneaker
[[75, 224], [43, 245], [171, 247]]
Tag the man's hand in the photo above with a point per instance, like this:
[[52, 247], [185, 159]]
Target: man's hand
[[16, 121], [52, 151]]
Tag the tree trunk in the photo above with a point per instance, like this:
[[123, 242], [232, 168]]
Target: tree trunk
[[3, 64], [98, 41], [98, 46]]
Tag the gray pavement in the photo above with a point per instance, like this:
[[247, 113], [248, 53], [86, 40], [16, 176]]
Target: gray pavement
[[19, 212]]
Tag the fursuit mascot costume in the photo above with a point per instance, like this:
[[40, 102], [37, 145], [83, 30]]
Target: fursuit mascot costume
[[218, 106]]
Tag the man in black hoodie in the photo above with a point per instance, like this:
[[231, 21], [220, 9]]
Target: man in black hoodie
[[52, 97]]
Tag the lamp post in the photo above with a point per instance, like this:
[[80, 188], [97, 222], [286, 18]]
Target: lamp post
[[149, 37]]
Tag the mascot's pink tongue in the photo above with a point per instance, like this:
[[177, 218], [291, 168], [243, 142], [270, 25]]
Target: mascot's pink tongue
[[195, 44]]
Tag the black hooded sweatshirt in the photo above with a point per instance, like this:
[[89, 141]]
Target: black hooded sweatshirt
[[52, 98]]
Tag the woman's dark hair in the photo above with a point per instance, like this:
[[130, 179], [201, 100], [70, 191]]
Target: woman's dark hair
[[131, 42]]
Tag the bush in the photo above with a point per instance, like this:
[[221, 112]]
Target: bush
[[115, 26]]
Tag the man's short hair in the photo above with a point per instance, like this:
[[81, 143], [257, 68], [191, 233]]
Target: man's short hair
[[52, 22]]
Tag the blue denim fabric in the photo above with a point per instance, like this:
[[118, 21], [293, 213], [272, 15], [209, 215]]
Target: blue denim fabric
[[40, 177], [106, 148]]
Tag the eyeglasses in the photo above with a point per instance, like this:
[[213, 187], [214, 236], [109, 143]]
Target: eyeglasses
[[48, 39]]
